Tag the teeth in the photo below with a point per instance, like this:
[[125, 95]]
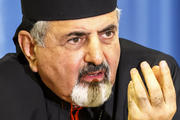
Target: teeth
[[94, 74]]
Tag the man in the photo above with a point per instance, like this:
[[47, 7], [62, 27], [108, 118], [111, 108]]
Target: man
[[71, 65]]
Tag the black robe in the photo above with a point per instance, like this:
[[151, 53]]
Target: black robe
[[24, 97]]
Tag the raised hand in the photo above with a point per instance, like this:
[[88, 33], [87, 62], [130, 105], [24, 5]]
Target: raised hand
[[158, 101]]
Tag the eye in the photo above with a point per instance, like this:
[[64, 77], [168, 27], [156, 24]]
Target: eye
[[108, 34], [76, 40]]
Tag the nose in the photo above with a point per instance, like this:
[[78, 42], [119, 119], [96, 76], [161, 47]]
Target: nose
[[94, 51]]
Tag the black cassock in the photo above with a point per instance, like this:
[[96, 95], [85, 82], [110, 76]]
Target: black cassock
[[24, 97]]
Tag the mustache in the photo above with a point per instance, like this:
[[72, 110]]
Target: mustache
[[90, 67]]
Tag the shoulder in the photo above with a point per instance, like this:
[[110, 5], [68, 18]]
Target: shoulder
[[20, 94], [135, 53], [132, 54], [16, 75]]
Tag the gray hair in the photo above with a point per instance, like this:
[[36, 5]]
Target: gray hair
[[38, 32]]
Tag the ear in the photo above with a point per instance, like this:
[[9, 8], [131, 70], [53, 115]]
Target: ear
[[28, 45]]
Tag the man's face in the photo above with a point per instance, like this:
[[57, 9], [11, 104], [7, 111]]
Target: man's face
[[80, 58]]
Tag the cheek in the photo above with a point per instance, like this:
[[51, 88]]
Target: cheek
[[59, 70], [72, 65], [112, 56]]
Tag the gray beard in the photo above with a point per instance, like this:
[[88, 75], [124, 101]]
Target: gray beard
[[91, 94]]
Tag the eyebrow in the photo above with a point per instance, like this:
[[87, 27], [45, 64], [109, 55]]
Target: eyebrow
[[77, 33], [109, 27], [80, 33]]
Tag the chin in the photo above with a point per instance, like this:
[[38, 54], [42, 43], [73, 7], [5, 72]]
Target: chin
[[91, 94]]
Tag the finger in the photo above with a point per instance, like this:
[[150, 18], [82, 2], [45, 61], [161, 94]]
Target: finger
[[156, 71], [155, 92], [132, 106], [141, 95], [167, 83]]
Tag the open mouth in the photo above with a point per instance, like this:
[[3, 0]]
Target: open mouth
[[97, 76]]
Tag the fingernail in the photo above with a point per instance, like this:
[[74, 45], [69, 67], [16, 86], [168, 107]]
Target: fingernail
[[133, 70], [163, 63], [144, 64]]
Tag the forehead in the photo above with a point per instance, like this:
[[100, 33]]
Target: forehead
[[85, 24]]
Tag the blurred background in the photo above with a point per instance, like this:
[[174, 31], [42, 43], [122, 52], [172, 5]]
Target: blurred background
[[152, 23]]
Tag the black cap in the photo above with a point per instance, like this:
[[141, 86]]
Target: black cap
[[50, 10], [65, 9]]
